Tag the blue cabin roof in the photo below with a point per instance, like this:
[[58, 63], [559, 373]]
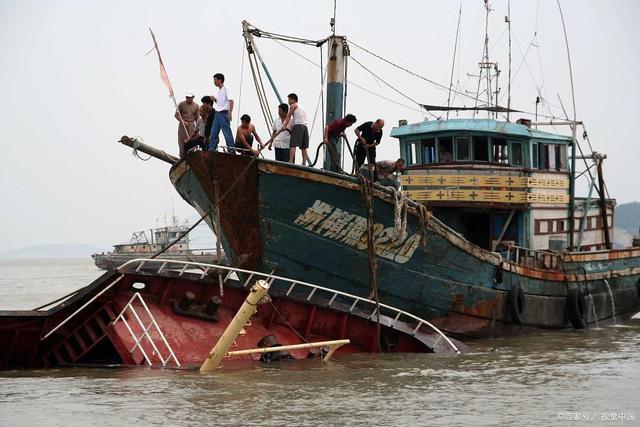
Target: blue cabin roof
[[475, 125]]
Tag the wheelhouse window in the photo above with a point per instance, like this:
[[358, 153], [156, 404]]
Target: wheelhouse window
[[480, 148], [412, 153], [429, 150], [500, 150], [561, 157], [445, 149], [463, 149], [517, 154], [534, 156], [551, 156], [543, 158]]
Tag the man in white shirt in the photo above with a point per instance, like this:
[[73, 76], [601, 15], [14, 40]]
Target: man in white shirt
[[296, 120], [280, 140], [223, 106]]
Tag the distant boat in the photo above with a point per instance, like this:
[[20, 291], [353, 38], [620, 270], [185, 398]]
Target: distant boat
[[146, 243]]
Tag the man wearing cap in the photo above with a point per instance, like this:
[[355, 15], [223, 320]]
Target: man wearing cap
[[186, 114], [223, 104]]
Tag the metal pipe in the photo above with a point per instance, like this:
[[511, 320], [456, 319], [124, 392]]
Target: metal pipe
[[557, 123], [334, 344], [583, 220], [249, 307], [603, 207], [147, 149], [572, 188]]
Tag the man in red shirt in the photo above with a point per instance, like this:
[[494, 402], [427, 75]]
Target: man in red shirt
[[336, 129]]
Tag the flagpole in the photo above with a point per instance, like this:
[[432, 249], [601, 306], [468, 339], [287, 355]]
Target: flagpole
[[165, 78]]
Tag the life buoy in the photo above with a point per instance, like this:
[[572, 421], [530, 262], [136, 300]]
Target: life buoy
[[515, 303], [576, 308]]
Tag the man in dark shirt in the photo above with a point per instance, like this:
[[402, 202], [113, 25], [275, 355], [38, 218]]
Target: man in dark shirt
[[336, 129], [208, 102], [369, 136]]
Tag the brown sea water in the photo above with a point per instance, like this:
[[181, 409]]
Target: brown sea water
[[550, 378]]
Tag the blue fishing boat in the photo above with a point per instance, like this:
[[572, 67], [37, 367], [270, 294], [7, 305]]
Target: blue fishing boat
[[485, 237]]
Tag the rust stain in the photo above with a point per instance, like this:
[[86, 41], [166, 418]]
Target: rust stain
[[238, 200]]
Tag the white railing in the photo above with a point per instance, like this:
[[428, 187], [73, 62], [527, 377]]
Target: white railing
[[183, 266], [139, 338], [72, 315]]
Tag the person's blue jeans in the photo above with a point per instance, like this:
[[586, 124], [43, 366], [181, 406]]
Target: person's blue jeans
[[221, 123]]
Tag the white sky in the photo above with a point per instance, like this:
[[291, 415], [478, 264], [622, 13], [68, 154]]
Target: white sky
[[74, 78]]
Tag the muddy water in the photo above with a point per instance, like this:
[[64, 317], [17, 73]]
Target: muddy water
[[589, 377]]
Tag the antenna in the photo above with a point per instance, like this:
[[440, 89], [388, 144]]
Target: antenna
[[507, 19], [332, 23], [453, 64]]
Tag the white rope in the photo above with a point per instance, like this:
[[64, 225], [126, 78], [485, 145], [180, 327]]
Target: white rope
[[137, 140], [400, 215]]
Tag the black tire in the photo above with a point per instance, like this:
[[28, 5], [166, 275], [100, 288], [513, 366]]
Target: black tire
[[576, 308], [515, 304]]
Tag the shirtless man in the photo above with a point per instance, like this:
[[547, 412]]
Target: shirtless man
[[244, 137]]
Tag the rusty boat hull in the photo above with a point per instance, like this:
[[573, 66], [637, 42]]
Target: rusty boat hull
[[307, 224]]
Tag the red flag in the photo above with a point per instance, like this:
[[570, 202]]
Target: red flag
[[163, 72]]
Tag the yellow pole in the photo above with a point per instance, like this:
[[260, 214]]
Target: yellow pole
[[217, 353]]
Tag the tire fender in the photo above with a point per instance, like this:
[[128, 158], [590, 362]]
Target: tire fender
[[576, 308]]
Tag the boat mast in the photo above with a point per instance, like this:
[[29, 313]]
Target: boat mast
[[337, 52], [508, 19]]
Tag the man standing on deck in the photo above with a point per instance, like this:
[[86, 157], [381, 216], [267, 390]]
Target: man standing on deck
[[369, 135], [223, 106], [296, 120], [207, 103], [280, 140], [336, 129], [186, 115]]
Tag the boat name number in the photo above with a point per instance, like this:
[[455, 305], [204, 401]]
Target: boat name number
[[350, 229]]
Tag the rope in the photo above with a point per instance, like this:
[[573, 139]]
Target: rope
[[241, 79], [400, 215], [281, 316], [366, 189], [257, 81], [420, 110], [137, 140], [392, 87], [424, 223]]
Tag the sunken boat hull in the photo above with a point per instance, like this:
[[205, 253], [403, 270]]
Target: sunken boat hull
[[308, 224], [185, 312]]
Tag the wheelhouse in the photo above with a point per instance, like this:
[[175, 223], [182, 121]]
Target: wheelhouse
[[497, 183]]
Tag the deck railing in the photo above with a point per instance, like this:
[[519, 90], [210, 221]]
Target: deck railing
[[535, 258], [309, 290]]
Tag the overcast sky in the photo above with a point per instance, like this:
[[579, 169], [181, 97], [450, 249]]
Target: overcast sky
[[74, 78]]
